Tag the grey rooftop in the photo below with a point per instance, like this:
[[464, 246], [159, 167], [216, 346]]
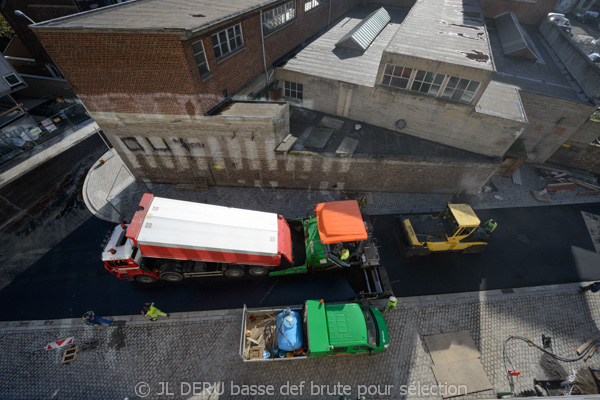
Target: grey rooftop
[[449, 31], [190, 15], [322, 59]]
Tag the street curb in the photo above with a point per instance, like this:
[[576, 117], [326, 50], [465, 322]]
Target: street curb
[[495, 294], [96, 213], [123, 320], [236, 314]]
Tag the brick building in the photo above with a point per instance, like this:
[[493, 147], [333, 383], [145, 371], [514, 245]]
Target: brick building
[[158, 77]]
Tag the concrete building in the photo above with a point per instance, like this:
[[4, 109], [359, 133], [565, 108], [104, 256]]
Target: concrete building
[[418, 99]]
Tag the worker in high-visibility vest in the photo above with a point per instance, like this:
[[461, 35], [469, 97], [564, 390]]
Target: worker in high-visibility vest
[[489, 226], [153, 312], [344, 254], [391, 304]]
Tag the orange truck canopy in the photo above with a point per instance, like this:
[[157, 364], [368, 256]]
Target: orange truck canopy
[[340, 221]]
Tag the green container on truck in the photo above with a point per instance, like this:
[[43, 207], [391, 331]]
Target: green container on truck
[[326, 330]]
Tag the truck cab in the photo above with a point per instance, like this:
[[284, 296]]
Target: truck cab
[[327, 330]]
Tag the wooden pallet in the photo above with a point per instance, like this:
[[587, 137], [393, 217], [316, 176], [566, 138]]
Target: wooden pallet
[[70, 354]]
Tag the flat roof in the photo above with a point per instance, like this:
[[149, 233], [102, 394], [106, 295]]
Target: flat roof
[[502, 100], [321, 58], [450, 31], [189, 15], [374, 141], [541, 77], [251, 109], [198, 226]]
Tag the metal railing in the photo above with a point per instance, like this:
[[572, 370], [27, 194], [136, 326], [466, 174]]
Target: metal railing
[[18, 139]]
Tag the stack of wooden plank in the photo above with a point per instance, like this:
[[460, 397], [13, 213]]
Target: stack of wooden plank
[[260, 336]]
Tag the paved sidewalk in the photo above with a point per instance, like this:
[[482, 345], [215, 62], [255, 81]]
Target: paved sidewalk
[[112, 194], [202, 349]]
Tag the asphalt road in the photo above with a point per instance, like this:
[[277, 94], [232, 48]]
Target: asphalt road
[[51, 265], [531, 247]]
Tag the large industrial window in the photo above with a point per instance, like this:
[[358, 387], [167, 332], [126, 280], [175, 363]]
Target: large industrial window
[[427, 82], [395, 76], [292, 90], [228, 41], [310, 4], [198, 48], [460, 89], [279, 16]]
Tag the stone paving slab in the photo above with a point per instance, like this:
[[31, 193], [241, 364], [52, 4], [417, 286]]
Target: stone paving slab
[[172, 355]]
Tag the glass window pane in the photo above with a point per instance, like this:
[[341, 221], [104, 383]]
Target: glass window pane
[[398, 71], [462, 85], [457, 95], [452, 82], [218, 52], [389, 69], [420, 75], [425, 88], [386, 80], [215, 40], [300, 87], [447, 92], [396, 82], [416, 86], [406, 73], [238, 29], [439, 78], [473, 86], [222, 36], [429, 77], [467, 97], [434, 90]]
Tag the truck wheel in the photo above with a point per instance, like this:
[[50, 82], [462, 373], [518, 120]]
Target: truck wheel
[[171, 276], [258, 271], [146, 279], [234, 272]]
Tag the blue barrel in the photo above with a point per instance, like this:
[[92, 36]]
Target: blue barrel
[[289, 330]]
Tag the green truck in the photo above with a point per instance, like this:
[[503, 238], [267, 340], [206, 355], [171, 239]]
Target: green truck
[[314, 330]]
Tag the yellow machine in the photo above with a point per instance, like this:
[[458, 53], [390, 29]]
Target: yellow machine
[[457, 228]]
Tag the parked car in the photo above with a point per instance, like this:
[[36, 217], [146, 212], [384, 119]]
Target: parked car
[[589, 17], [561, 21]]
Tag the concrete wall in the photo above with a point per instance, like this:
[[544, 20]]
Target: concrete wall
[[585, 72], [238, 151], [427, 117], [579, 152], [552, 121]]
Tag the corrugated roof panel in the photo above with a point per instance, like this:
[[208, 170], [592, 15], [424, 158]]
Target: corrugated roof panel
[[363, 34]]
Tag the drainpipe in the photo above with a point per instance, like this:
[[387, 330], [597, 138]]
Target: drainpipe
[[262, 38], [329, 17]]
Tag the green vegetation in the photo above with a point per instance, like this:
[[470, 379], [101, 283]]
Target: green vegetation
[[5, 29]]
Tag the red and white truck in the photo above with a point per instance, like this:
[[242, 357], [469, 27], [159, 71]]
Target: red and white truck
[[171, 240]]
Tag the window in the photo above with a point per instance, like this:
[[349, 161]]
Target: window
[[228, 41], [397, 77], [310, 4], [12, 80], [277, 17], [427, 82], [292, 90], [460, 89], [198, 48], [339, 350]]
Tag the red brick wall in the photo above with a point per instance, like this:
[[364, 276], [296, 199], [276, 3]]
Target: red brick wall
[[121, 72], [157, 73], [528, 13]]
